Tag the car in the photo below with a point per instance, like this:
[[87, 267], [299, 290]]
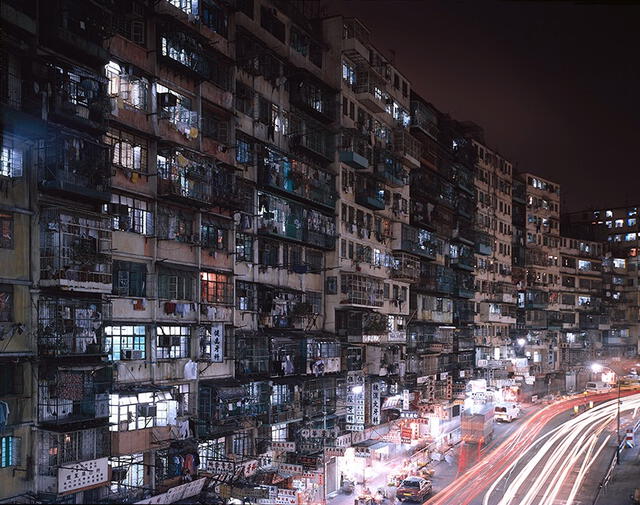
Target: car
[[414, 489]]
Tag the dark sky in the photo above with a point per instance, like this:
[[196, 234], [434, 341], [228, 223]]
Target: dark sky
[[555, 85]]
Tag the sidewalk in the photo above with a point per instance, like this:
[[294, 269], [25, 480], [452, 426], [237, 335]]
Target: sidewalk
[[625, 478]]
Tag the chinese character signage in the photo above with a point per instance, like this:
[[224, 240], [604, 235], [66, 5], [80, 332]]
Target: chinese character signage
[[355, 401], [375, 403], [284, 446], [405, 399], [217, 343]]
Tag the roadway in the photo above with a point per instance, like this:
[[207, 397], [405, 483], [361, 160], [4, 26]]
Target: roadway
[[552, 458]]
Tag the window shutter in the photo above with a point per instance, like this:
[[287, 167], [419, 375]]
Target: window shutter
[[223, 132], [137, 31]]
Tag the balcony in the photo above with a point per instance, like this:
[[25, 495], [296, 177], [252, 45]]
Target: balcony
[[81, 28], [424, 118], [360, 326], [183, 50], [311, 137], [75, 251], [297, 178], [68, 395], [437, 278], [464, 285], [295, 222], [69, 327], [594, 321], [463, 312], [354, 149], [497, 313], [369, 90], [484, 244], [465, 205], [314, 98], [406, 267], [464, 178], [407, 147], [65, 458], [389, 170], [75, 166], [462, 256], [418, 241], [432, 309], [369, 193], [78, 98], [185, 177], [358, 289], [355, 42], [536, 299]]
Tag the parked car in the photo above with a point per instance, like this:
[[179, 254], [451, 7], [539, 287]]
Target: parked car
[[414, 489], [507, 411], [597, 387]]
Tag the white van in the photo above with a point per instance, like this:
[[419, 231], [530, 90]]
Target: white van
[[597, 387], [506, 411]]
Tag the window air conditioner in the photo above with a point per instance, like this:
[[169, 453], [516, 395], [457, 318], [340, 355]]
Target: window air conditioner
[[167, 100]]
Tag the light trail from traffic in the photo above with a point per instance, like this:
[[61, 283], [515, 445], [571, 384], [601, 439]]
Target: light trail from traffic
[[499, 462], [574, 445]]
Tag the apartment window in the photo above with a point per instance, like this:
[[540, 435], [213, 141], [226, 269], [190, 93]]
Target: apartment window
[[215, 128], [246, 296], [314, 260], [216, 288], [129, 150], [6, 303], [244, 99], [349, 73], [127, 87], [173, 342], [10, 160], [244, 247], [268, 252], [279, 431], [129, 278], [244, 151], [631, 221], [214, 234], [10, 451], [242, 442], [315, 300], [292, 258], [11, 379], [299, 41], [272, 24], [130, 214], [175, 225], [131, 29], [619, 223], [214, 17], [175, 285], [125, 342], [177, 109], [405, 89], [6, 230]]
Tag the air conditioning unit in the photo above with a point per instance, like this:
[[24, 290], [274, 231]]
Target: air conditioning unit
[[118, 209], [147, 410], [167, 100]]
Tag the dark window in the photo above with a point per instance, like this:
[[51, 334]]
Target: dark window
[[214, 234], [246, 296], [244, 150], [268, 252], [129, 279], [11, 379], [314, 260], [215, 128], [244, 247], [175, 285], [244, 99], [6, 230], [271, 23], [245, 6], [6, 303], [214, 17]]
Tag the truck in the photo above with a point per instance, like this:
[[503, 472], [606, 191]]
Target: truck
[[506, 411], [477, 425], [597, 387]]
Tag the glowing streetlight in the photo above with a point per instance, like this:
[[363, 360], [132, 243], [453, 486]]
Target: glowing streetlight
[[521, 342], [596, 367], [356, 390]]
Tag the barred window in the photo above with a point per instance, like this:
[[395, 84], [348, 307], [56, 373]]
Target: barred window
[[244, 99], [244, 150], [125, 342], [216, 288], [130, 214], [175, 285], [173, 342], [175, 225], [127, 87], [10, 451], [10, 160], [11, 379], [129, 278], [315, 300], [314, 260], [268, 251], [6, 230], [246, 296], [6, 303], [244, 247], [215, 128], [129, 150], [214, 233], [177, 109]]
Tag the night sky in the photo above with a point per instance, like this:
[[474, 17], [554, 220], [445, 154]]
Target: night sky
[[555, 85]]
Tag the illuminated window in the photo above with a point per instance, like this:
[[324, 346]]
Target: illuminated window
[[630, 236], [608, 213], [125, 342], [619, 223], [9, 451], [10, 160], [631, 221], [216, 288], [173, 342]]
